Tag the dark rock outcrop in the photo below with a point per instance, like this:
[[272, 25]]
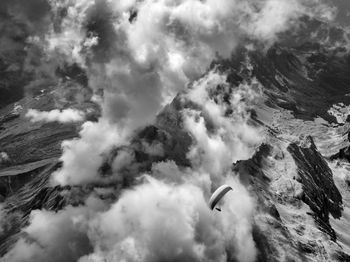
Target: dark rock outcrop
[[252, 173], [253, 167], [342, 257], [343, 154], [319, 191]]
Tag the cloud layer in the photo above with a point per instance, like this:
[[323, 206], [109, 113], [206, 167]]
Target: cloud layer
[[64, 116], [154, 221]]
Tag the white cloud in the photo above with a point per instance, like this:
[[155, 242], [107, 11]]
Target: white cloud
[[229, 137], [83, 156], [274, 17], [71, 39], [51, 236], [154, 221], [65, 116], [4, 157]]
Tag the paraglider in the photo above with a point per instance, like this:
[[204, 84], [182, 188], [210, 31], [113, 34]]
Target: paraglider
[[217, 195]]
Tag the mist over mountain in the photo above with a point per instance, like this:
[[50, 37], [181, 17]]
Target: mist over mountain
[[119, 119]]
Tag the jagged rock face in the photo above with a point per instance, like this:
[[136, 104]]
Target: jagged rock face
[[253, 167], [270, 231], [32, 192], [30, 151], [320, 192], [28, 147], [343, 153]]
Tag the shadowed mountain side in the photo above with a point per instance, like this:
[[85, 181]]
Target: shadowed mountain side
[[305, 77], [34, 194], [320, 192], [37, 144], [271, 240], [18, 21], [281, 210]]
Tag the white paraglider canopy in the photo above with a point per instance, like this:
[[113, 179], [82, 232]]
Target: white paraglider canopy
[[217, 195]]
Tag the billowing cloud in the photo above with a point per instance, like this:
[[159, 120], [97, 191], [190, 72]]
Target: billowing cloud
[[158, 222], [51, 236], [55, 236], [220, 129], [137, 65], [83, 156], [65, 116], [4, 158], [154, 221]]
